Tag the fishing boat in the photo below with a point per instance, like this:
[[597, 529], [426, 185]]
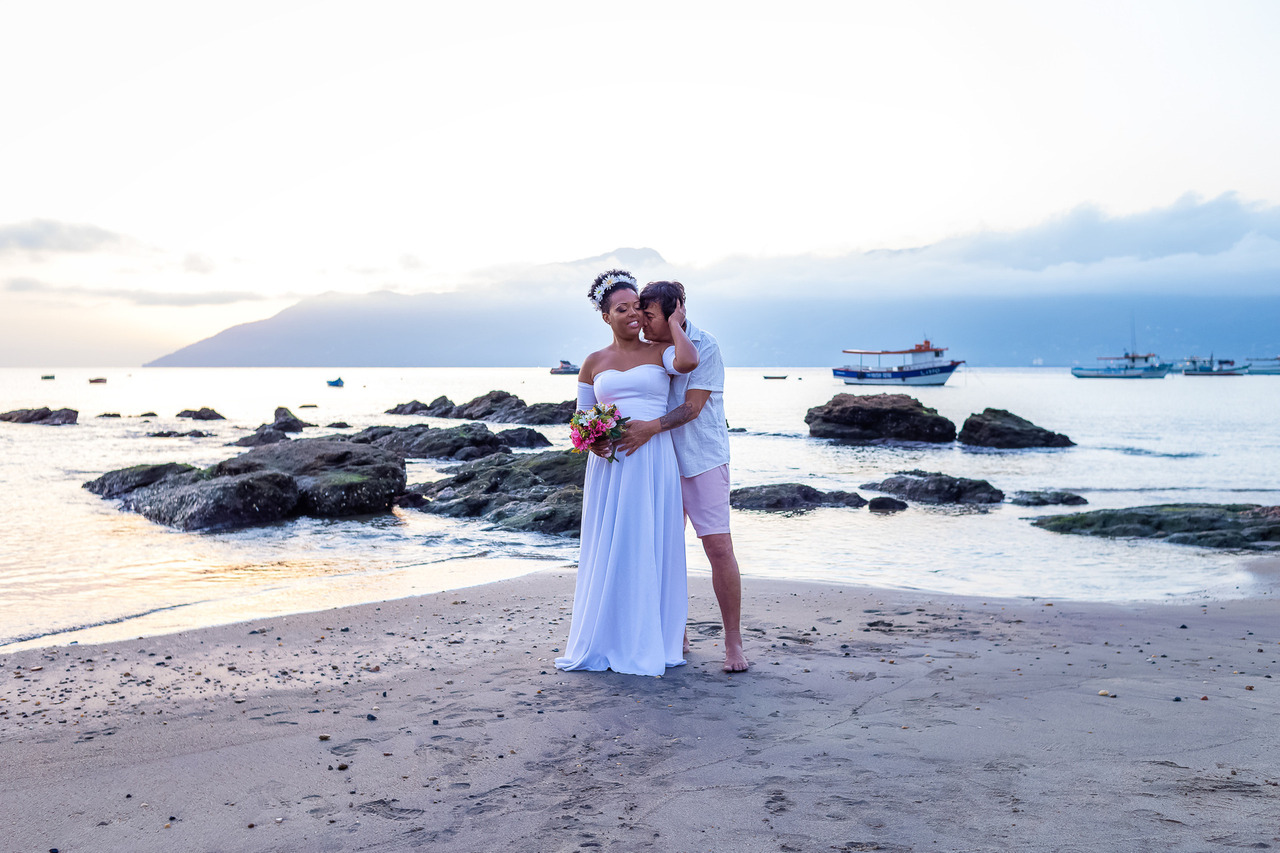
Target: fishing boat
[[1127, 366], [566, 368], [1264, 366], [47, 376], [97, 381], [924, 365], [1198, 366], [334, 383], [778, 376]]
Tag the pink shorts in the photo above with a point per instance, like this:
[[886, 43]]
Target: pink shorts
[[706, 501]]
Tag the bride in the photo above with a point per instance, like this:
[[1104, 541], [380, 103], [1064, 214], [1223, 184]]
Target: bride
[[630, 601]]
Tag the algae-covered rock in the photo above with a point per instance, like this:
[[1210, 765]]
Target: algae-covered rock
[[1235, 526]]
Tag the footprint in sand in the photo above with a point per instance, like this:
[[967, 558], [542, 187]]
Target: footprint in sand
[[777, 803]]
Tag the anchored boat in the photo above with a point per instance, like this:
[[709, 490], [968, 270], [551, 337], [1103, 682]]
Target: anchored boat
[[566, 368], [924, 365], [1198, 366], [1127, 366], [1264, 366]]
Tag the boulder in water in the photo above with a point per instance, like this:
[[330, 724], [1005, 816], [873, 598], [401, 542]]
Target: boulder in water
[[791, 497], [204, 414], [878, 417], [1003, 429], [935, 488], [41, 417]]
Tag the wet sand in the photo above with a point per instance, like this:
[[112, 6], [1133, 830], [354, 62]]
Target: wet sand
[[871, 720]]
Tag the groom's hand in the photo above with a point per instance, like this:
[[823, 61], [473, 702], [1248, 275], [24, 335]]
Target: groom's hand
[[636, 433]]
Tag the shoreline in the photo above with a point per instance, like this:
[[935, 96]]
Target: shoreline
[[871, 719], [479, 571]]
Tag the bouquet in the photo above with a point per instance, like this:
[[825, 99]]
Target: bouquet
[[600, 421]]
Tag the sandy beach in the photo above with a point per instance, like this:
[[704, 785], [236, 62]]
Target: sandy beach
[[871, 720]]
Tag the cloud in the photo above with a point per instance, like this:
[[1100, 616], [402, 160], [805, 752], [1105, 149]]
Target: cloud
[[47, 235], [198, 264], [1086, 235], [135, 297], [1187, 247]]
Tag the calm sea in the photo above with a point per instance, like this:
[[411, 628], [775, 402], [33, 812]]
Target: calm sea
[[70, 561]]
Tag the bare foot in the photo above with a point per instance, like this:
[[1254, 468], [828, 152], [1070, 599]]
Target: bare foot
[[734, 659], [686, 643]]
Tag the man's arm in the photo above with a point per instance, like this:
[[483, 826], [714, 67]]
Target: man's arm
[[639, 432]]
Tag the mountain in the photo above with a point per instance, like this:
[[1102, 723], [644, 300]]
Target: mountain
[[531, 327]]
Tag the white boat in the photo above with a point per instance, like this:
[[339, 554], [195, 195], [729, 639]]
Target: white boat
[[1127, 366], [925, 366], [1198, 366], [1264, 366]]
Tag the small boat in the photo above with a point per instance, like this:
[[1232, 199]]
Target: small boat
[[98, 381], [1127, 366], [1264, 366], [783, 376], [566, 368], [926, 366], [334, 383], [1198, 366], [47, 376]]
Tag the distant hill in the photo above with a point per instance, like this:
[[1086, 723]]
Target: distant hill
[[533, 316], [528, 327]]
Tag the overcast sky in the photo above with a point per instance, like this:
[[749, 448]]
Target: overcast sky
[[169, 169]]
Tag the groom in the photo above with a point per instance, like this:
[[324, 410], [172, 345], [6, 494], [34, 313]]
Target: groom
[[701, 437]]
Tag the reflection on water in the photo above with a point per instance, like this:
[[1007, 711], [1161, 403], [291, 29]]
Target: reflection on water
[[70, 559]]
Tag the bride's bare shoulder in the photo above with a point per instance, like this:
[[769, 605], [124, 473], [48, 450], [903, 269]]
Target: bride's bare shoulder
[[591, 365]]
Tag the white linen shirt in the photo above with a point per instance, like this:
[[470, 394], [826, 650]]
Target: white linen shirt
[[703, 443]]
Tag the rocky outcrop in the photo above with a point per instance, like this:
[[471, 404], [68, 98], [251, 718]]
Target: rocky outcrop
[[169, 433], [524, 437], [286, 422], [109, 415], [335, 478], [440, 407], [41, 416], [791, 497], [548, 414], [884, 504], [338, 425], [1236, 526], [204, 414], [499, 407], [878, 417], [935, 488], [461, 443], [265, 434], [1003, 429], [538, 492], [1047, 498], [113, 484], [306, 477]]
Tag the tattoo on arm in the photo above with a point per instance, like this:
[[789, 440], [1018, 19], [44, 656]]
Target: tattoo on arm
[[679, 416]]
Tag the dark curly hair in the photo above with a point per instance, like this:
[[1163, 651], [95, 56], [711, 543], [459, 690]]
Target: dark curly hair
[[668, 295], [608, 282]]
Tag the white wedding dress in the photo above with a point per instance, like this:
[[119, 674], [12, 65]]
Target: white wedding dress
[[631, 600]]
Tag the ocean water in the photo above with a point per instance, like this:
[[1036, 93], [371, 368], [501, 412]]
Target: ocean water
[[73, 567]]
